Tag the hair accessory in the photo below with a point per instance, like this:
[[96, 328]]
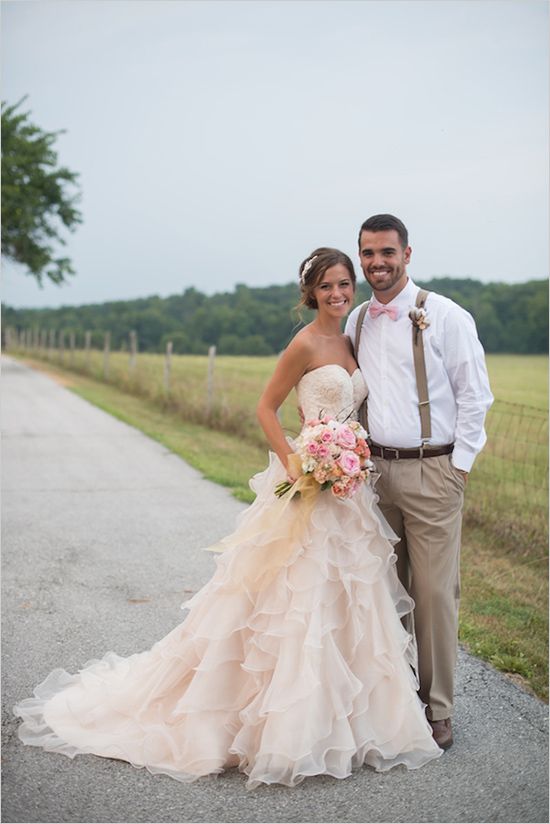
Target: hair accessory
[[307, 266]]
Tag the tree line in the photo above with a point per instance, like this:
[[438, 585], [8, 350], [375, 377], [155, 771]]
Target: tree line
[[510, 318]]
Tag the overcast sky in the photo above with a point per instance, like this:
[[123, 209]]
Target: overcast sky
[[220, 142]]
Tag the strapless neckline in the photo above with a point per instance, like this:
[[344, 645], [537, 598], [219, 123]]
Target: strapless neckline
[[331, 366], [332, 390]]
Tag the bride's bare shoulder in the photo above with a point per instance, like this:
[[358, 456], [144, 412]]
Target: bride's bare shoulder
[[303, 341]]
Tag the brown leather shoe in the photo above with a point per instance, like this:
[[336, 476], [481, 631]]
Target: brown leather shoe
[[442, 733]]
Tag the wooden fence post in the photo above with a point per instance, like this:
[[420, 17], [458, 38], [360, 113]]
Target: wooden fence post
[[106, 349], [210, 379], [52, 344], [72, 345], [62, 347], [87, 345], [133, 352], [44, 342], [168, 367]]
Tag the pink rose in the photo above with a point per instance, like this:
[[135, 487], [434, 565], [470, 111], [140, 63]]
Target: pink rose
[[362, 448], [327, 436], [312, 448], [349, 463], [345, 437], [323, 451]]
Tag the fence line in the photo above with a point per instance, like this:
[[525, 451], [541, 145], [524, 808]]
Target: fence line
[[210, 380], [133, 352], [106, 352], [87, 348], [168, 367], [516, 453], [517, 445]]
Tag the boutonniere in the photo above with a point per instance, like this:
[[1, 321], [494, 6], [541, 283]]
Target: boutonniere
[[419, 318]]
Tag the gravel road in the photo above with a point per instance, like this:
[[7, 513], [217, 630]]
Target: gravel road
[[102, 532]]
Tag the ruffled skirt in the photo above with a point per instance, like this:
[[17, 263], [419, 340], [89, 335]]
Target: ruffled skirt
[[292, 660]]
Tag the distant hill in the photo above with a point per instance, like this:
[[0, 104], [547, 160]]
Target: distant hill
[[260, 321]]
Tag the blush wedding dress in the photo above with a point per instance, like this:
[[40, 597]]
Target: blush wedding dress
[[291, 662]]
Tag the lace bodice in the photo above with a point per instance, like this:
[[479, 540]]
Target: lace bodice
[[331, 390]]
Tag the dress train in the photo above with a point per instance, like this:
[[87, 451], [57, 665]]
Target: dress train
[[291, 662]]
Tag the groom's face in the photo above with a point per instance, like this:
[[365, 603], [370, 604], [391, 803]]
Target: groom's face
[[383, 261]]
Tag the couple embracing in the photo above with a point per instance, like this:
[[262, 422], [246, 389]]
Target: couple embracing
[[327, 637]]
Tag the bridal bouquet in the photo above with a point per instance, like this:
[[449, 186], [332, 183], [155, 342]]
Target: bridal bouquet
[[335, 455]]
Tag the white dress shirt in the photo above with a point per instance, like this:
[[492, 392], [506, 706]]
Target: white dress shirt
[[458, 384]]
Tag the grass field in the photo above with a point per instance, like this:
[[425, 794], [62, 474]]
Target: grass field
[[504, 611], [509, 484], [521, 379]]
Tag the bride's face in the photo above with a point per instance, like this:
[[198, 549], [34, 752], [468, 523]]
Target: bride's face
[[335, 291]]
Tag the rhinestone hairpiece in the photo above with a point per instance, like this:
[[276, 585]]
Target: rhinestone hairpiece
[[307, 266]]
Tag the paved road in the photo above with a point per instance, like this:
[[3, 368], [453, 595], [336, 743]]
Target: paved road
[[102, 529]]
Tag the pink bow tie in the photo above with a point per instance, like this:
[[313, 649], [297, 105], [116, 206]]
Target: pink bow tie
[[376, 309]]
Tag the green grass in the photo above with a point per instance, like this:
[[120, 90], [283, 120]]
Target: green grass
[[504, 610], [230, 407], [223, 458], [508, 489], [521, 379], [504, 607]]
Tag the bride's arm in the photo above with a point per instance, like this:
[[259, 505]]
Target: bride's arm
[[290, 368]]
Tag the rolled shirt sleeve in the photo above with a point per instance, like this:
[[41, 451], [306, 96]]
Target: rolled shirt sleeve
[[464, 361]]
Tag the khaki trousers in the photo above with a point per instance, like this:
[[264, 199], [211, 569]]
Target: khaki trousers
[[422, 501]]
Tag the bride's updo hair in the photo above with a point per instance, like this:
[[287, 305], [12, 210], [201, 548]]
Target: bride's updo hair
[[313, 268]]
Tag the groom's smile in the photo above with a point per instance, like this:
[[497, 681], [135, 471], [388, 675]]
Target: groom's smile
[[383, 261]]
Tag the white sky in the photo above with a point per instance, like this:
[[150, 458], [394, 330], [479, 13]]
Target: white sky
[[219, 142]]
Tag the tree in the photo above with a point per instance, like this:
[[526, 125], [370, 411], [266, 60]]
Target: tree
[[510, 317], [35, 197]]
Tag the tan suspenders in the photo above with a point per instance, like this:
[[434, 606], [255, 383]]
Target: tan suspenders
[[419, 369], [420, 372], [362, 412]]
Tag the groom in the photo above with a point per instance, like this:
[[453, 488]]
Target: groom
[[422, 479]]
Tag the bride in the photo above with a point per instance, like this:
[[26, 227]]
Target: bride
[[292, 660]]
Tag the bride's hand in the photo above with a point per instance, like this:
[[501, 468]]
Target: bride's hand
[[293, 467]]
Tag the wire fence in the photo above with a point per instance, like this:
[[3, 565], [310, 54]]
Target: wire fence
[[517, 445], [508, 487]]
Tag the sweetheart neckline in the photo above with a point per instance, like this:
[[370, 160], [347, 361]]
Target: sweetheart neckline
[[311, 371]]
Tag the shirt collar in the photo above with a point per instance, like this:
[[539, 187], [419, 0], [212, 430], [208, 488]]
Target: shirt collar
[[405, 298]]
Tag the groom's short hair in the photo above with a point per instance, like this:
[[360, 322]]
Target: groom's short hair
[[384, 223]]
